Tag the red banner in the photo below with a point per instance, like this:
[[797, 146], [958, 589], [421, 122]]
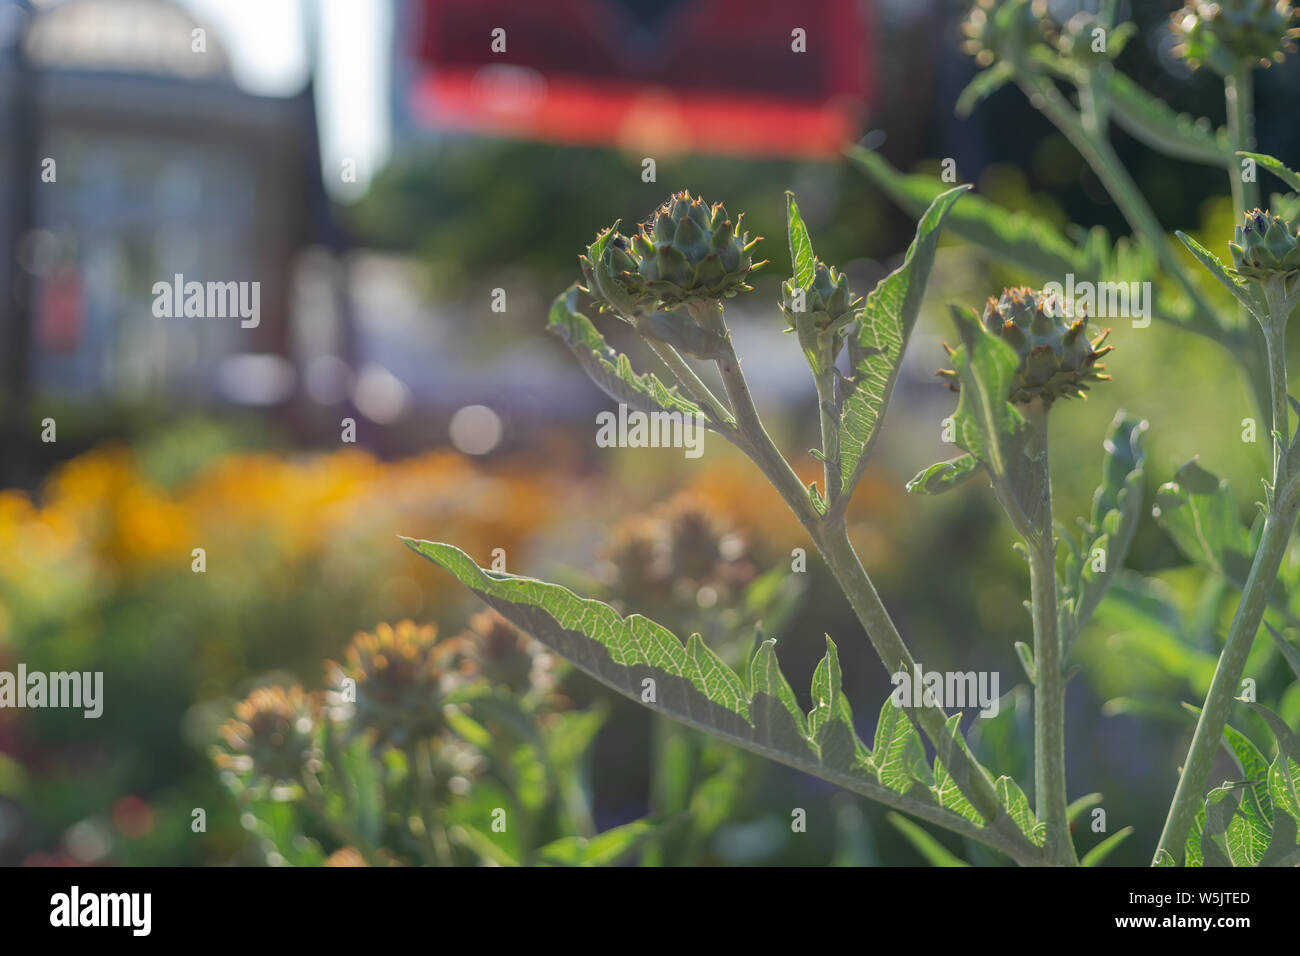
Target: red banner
[[765, 77]]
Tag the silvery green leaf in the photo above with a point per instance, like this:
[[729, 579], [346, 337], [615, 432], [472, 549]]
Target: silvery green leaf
[[876, 349]]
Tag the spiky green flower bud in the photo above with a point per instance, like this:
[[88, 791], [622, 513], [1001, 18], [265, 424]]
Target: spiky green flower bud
[[1056, 358], [827, 303], [994, 29], [271, 735], [1084, 39], [604, 265], [688, 251], [401, 675], [1265, 246], [1225, 34]]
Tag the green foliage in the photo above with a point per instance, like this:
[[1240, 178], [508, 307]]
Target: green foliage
[[645, 662]]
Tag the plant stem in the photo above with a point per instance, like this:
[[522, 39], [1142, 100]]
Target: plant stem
[[829, 417], [420, 767], [1049, 687], [832, 541], [1239, 97], [1227, 679], [1274, 539], [1087, 133], [693, 384]]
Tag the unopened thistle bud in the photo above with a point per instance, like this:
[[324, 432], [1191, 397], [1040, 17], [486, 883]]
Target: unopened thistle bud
[[1057, 360]]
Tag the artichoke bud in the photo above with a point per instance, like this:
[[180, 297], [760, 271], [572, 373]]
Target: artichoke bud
[[1265, 246], [997, 29], [688, 251], [1225, 34], [605, 262], [827, 303], [1078, 39], [1057, 359]]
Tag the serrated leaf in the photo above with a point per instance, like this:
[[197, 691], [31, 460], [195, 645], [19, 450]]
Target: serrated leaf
[[694, 686], [1256, 805], [611, 370], [1239, 289], [1276, 167], [770, 690], [898, 753], [1116, 510], [944, 475], [1016, 804], [945, 788], [1196, 510], [830, 722], [876, 348], [1150, 120], [801, 251]]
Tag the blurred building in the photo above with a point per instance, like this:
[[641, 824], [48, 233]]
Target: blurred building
[[151, 163]]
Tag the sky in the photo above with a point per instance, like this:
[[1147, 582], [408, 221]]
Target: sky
[[266, 43]]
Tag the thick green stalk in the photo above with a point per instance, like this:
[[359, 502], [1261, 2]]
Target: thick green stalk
[[1087, 133], [829, 417], [832, 541], [1240, 101], [1049, 686], [691, 382]]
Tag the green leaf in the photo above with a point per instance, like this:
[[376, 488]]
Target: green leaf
[[1016, 804], [1289, 653], [1015, 238], [1284, 773], [610, 370], [1256, 804], [801, 251], [690, 683], [1192, 852], [1221, 805], [1240, 290], [1097, 854], [1276, 167], [1093, 564], [934, 852], [876, 348], [1196, 510], [945, 788], [899, 754], [986, 424], [944, 475], [1150, 120], [1077, 807], [606, 848]]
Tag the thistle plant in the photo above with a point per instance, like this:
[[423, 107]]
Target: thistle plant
[[1068, 72], [424, 750], [1016, 367]]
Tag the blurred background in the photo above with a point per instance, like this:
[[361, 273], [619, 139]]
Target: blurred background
[[387, 177]]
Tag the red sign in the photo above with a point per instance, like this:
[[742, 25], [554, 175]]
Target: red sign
[[763, 77]]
